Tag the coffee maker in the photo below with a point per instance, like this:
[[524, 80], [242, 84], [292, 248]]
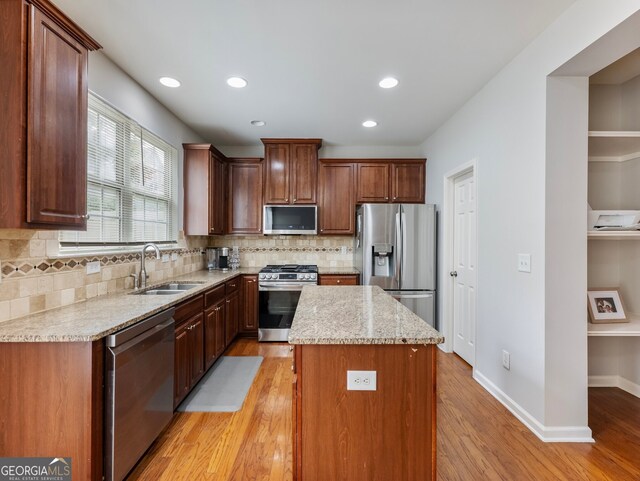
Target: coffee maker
[[218, 258]]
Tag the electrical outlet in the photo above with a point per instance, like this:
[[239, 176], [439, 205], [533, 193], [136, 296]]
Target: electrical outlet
[[361, 380], [506, 360], [524, 262], [174, 256], [93, 267], [165, 258], [343, 250]]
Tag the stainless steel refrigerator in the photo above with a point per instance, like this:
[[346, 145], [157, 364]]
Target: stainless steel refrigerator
[[395, 248]]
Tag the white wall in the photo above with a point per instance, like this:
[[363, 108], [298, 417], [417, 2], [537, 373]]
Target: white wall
[[115, 86], [504, 127]]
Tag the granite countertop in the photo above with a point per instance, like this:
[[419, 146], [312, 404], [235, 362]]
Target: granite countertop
[[96, 318], [338, 270], [356, 315]]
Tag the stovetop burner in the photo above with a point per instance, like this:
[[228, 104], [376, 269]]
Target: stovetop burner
[[289, 268]]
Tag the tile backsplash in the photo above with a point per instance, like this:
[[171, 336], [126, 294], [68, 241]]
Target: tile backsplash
[[258, 251], [34, 277]]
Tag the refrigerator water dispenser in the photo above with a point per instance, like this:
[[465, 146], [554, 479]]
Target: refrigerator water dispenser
[[382, 260]]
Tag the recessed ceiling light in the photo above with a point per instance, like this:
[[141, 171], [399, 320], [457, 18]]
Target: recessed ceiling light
[[388, 82], [236, 82], [369, 123], [258, 123], [170, 82]]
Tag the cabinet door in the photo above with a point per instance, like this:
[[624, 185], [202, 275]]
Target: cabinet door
[[57, 126], [408, 182], [304, 173], [373, 182], [216, 196], [249, 318], [196, 348], [245, 198], [182, 376], [211, 320], [231, 315], [277, 164], [221, 342], [337, 199]]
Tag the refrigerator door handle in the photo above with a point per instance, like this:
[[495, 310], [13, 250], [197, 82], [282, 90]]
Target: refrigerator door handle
[[403, 244]]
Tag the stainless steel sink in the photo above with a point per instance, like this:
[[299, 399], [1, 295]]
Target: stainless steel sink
[[168, 289]]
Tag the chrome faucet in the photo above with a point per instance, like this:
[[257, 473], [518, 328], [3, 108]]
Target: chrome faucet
[[143, 272]]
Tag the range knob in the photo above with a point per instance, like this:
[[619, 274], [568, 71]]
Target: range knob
[[313, 276], [262, 276], [307, 276]]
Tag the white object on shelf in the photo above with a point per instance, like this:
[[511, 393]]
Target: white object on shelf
[[611, 218], [614, 146], [626, 329]]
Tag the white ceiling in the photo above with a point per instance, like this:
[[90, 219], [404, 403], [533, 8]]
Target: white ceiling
[[313, 66]]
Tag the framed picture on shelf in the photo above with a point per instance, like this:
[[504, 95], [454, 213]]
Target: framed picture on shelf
[[605, 306]]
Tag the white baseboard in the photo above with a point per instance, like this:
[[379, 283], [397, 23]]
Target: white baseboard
[[615, 381], [548, 434]]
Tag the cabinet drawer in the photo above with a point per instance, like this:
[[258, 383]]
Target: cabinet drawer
[[338, 280], [233, 285], [188, 309], [214, 296]]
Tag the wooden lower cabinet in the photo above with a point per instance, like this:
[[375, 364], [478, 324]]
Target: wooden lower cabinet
[[232, 312], [181, 377], [196, 348], [214, 341], [338, 279], [249, 302], [189, 347], [389, 433]]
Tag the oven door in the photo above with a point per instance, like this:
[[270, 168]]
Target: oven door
[[277, 307]]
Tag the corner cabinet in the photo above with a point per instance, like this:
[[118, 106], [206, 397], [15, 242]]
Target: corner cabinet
[[291, 170], [245, 196], [43, 129], [336, 198], [204, 190]]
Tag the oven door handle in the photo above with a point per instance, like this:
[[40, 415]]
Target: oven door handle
[[296, 287]]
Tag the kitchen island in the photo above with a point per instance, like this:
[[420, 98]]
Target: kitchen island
[[381, 427]]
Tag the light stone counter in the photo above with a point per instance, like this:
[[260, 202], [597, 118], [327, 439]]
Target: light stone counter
[[338, 270], [98, 317], [356, 315]]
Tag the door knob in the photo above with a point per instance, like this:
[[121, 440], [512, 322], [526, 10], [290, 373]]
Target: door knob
[[453, 274]]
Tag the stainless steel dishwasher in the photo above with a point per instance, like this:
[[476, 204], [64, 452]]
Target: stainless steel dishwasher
[[139, 390]]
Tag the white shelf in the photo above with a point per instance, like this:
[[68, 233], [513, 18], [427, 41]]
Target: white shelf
[[620, 329], [613, 235], [613, 146]]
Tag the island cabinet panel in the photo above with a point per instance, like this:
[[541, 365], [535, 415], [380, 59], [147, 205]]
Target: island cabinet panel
[[336, 198], [249, 303], [245, 196], [384, 434], [51, 403]]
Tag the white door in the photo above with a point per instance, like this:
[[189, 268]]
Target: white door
[[464, 270]]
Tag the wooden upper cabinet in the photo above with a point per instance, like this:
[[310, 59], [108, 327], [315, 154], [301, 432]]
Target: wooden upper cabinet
[[44, 100], [276, 186], [204, 190], [245, 196], [373, 182], [408, 182], [336, 198], [304, 173], [291, 169]]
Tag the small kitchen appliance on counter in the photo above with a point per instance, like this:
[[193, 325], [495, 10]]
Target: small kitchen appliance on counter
[[279, 288]]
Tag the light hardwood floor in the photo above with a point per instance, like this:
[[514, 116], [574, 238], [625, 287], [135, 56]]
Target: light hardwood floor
[[478, 439]]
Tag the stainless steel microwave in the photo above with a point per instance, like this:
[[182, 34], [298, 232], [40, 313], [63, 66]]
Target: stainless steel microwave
[[290, 219]]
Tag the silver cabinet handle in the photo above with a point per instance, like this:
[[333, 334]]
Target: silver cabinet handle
[[65, 216], [453, 273]]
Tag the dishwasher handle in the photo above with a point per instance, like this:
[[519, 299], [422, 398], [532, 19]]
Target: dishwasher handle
[[139, 328]]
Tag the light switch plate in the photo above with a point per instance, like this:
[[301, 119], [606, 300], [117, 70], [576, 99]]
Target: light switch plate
[[506, 360], [524, 262], [93, 267], [361, 380]]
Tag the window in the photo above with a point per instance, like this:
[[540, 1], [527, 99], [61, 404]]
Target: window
[[131, 183]]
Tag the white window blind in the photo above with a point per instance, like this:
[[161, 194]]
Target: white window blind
[[131, 182]]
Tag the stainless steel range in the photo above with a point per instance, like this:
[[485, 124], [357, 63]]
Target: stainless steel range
[[279, 287]]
